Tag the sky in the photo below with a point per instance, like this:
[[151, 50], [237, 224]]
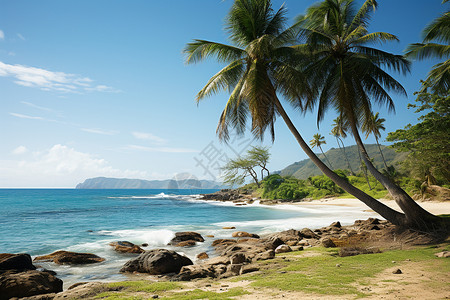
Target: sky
[[100, 88]]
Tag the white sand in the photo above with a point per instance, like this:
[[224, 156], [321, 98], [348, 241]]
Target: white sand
[[433, 207]]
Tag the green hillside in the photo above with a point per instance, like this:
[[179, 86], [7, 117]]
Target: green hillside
[[305, 168]]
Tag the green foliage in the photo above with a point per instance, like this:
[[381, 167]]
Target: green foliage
[[238, 169], [427, 142]]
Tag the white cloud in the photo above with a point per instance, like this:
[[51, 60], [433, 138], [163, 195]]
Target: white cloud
[[59, 166], [21, 37], [160, 149], [49, 80], [99, 131], [149, 137], [2, 35], [26, 116], [39, 107], [20, 150]]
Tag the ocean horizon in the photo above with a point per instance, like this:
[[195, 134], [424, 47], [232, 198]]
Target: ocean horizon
[[41, 221]]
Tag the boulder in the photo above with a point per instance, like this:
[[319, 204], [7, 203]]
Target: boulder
[[270, 254], [244, 234], [195, 271], [219, 260], [157, 261], [223, 242], [308, 233], [70, 258], [234, 269], [126, 247], [186, 236], [189, 243], [327, 242], [202, 255], [229, 227], [443, 254], [28, 283], [10, 261], [248, 268], [238, 258], [287, 235], [283, 249], [336, 224]]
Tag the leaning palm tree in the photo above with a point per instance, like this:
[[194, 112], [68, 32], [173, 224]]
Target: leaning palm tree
[[439, 32], [339, 132], [373, 125], [317, 141], [262, 64], [351, 74]]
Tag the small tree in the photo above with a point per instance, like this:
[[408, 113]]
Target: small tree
[[317, 141], [238, 169]]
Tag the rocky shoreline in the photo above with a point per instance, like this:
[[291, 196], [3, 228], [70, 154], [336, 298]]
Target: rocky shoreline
[[233, 256]]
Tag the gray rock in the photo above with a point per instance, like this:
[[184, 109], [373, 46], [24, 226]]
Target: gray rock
[[238, 258], [158, 261]]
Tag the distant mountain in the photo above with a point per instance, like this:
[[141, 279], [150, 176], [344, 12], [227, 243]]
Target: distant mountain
[[305, 168], [125, 183]]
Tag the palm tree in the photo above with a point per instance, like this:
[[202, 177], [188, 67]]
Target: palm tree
[[317, 141], [438, 31], [261, 64], [373, 125], [339, 131], [350, 73]]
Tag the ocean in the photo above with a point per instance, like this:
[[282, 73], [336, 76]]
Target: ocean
[[41, 221]]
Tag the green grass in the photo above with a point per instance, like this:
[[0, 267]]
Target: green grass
[[146, 286], [117, 296], [200, 294], [319, 274]]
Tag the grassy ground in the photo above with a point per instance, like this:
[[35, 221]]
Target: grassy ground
[[315, 273]]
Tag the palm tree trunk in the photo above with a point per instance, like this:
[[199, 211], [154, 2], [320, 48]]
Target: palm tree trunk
[[416, 216], [381, 152], [345, 155], [331, 167], [386, 212]]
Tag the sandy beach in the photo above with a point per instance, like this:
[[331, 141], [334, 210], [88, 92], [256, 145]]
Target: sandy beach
[[434, 207]]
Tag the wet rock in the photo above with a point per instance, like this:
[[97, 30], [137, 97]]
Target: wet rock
[[69, 258], [28, 283], [126, 247], [186, 236], [202, 255], [229, 227], [189, 243], [157, 261], [244, 234], [9, 261], [223, 242]]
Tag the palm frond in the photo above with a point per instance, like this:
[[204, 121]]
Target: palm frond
[[225, 78], [430, 50], [375, 37], [200, 49]]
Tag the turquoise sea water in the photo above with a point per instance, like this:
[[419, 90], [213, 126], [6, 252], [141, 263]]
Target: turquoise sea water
[[40, 221]]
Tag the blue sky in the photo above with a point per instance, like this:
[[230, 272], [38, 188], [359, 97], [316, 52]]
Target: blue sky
[[99, 88]]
